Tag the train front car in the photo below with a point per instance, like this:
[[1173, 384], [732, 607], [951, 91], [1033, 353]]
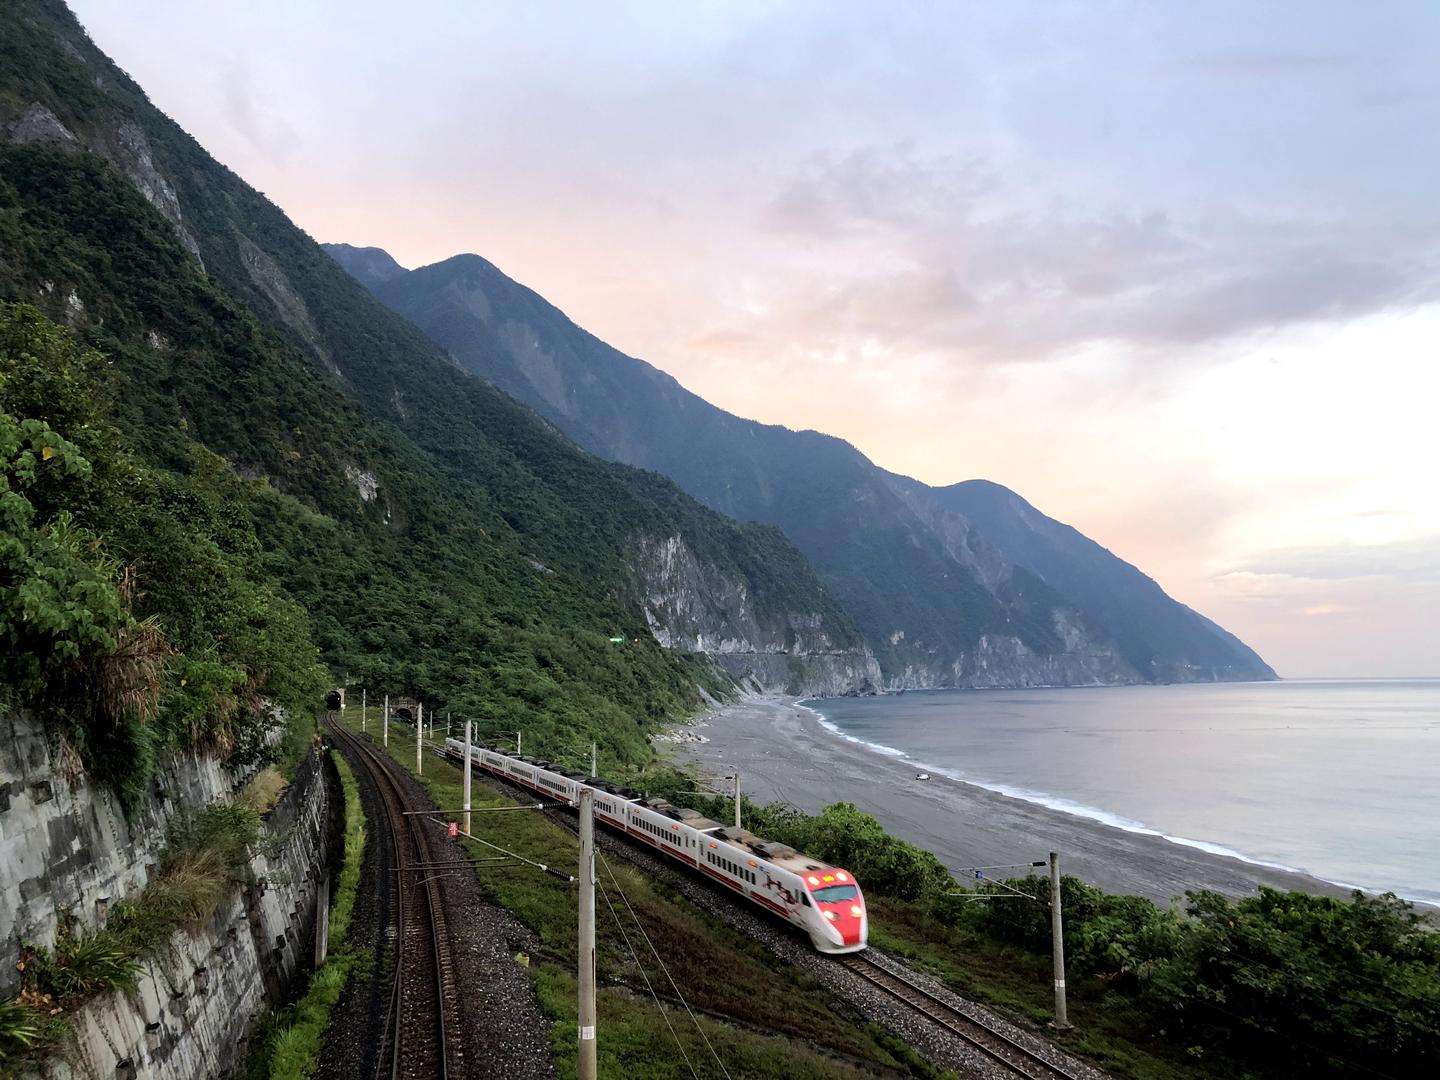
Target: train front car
[[840, 923]]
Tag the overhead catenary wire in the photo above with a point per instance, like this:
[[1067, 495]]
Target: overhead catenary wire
[[648, 986], [664, 970]]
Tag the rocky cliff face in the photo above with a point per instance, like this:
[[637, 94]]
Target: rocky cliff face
[[696, 607]]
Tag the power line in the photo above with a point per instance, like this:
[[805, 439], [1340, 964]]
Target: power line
[[641, 968], [664, 970]]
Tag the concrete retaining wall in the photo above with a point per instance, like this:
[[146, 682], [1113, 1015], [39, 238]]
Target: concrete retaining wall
[[66, 847]]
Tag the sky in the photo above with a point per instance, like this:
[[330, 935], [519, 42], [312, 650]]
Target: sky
[[1170, 271]]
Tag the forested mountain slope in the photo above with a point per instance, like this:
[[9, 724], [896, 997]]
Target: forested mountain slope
[[442, 538], [942, 600]]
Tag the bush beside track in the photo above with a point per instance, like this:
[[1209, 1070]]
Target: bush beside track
[[1277, 984]]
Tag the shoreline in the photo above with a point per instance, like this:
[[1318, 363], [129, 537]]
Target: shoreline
[[785, 753]]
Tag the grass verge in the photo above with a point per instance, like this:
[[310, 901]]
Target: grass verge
[[291, 1046]]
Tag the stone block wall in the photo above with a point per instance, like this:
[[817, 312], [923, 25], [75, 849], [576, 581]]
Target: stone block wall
[[66, 847]]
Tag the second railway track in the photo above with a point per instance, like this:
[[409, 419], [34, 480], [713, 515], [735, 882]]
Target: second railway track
[[997, 1046], [420, 1028]]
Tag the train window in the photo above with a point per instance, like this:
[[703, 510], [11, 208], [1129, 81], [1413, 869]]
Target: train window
[[804, 899], [835, 894]]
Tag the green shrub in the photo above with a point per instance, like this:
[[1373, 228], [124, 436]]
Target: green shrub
[[25, 1031], [77, 966]]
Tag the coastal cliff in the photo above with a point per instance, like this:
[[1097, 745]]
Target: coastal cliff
[[696, 607]]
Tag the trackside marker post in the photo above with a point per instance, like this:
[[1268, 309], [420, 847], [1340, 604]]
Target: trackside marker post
[[588, 1059]]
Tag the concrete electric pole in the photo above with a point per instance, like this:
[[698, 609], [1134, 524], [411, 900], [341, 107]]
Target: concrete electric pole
[[419, 735], [587, 1064], [1057, 933], [467, 777]]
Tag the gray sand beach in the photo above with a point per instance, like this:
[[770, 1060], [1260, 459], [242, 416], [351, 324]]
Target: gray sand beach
[[784, 755]]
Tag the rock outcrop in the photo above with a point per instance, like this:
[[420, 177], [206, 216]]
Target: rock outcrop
[[67, 852], [697, 607]]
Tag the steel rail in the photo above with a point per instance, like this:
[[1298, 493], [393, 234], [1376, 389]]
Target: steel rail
[[997, 1046], [415, 1002]]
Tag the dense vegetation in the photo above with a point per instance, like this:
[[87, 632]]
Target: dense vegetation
[[134, 605], [1280, 983], [491, 563]]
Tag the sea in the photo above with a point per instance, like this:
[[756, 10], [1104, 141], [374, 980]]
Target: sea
[[1335, 778]]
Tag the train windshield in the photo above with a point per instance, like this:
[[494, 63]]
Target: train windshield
[[835, 894]]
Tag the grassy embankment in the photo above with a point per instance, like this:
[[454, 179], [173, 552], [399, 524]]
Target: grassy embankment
[[764, 1019], [290, 1047]]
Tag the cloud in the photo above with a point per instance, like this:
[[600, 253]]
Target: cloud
[[265, 131], [1259, 64], [1415, 560], [915, 252]]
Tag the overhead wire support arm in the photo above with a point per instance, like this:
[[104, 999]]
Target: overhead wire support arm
[[519, 858]]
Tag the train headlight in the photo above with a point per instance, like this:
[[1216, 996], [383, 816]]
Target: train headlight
[[830, 915], [855, 910]]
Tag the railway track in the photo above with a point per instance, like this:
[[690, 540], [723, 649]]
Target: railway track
[[1000, 1048], [1016, 1059], [423, 1003]]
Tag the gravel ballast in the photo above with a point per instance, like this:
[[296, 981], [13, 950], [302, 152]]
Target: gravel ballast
[[505, 1034]]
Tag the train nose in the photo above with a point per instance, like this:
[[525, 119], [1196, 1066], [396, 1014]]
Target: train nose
[[846, 924]]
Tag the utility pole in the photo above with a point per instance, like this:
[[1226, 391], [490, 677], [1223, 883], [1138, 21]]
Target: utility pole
[[385, 723], [737, 798], [467, 776], [419, 734], [517, 742], [1057, 934], [587, 1064], [594, 766], [362, 708], [447, 725]]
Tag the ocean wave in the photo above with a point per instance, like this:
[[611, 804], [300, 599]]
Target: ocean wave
[[1083, 810]]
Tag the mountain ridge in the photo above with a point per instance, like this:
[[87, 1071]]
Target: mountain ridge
[[445, 539], [942, 599]]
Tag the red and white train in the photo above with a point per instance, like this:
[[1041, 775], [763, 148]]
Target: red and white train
[[824, 901]]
